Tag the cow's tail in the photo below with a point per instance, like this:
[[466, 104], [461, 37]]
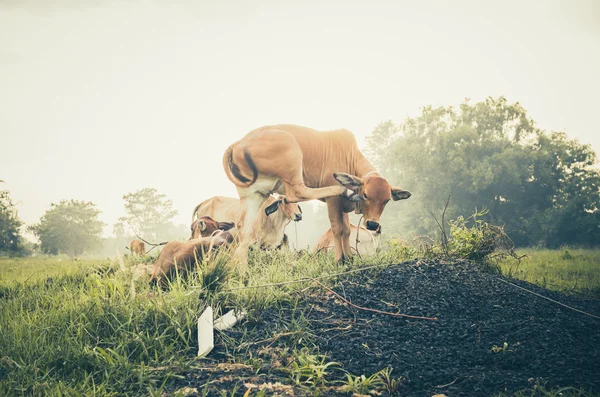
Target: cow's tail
[[195, 211], [233, 171]]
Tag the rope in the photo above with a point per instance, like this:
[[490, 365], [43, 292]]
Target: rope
[[357, 233], [296, 231], [551, 300], [305, 279]]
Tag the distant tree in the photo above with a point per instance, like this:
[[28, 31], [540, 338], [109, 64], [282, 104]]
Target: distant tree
[[10, 239], [542, 187], [149, 214], [71, 227]]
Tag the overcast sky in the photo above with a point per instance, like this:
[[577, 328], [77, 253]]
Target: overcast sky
[[99, 101]]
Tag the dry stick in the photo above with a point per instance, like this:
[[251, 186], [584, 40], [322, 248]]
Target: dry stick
[[444, 223], [451, 383], [444, 236], [551, 300], [154, 245], [374, 310]]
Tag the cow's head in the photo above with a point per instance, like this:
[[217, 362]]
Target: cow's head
[[291, 211], [373, 192], [205, 226]]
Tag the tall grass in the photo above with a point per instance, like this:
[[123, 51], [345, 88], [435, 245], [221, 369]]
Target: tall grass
[[79, 328]]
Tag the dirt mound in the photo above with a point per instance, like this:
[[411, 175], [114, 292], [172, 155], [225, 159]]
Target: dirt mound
[[490, 337], [465, 349]]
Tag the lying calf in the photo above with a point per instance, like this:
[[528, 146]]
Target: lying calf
[[368, 241], [205, 226], [183, 254]]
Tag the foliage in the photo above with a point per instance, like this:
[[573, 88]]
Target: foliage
[[71, 227], [542, 187], [310, 369], [10, 239], [149, 214]]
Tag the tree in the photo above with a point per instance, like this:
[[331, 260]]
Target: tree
[[71, 227], [149, 214], [10, 239], [542, 187]]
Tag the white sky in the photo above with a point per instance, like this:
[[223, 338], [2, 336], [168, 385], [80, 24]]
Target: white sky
[[99, 101]]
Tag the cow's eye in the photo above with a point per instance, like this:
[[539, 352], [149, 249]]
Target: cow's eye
[[367, 197]]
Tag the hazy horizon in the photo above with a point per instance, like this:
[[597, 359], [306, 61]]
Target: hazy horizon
[[100, 101]]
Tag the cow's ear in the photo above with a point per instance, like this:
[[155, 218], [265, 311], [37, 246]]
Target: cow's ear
[[272, 207], [349, 181], [225, 225], [399, 194], [202, 226]]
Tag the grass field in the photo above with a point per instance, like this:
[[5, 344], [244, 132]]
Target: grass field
[[87, 328], [566, 270]]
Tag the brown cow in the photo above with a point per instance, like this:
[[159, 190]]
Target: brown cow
[[137, 247], [182, 255], [267, 232], [368, 241], [305, 164], [205, 226]]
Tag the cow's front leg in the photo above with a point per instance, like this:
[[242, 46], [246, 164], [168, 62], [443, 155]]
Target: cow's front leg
[[340, 226]]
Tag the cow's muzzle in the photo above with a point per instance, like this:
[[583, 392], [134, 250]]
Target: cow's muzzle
[[373, 226]]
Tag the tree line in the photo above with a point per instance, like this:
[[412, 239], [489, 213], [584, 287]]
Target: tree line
[[542, 187], [73, 227]]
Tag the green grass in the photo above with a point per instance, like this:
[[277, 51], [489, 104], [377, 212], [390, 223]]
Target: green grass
[[87, 328], [39, 268], [566, 270]]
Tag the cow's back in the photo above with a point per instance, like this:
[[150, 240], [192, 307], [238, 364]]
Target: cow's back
[[323, 153], [223, 209]]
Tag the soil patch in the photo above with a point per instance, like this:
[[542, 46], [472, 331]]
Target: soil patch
[[490, 337]]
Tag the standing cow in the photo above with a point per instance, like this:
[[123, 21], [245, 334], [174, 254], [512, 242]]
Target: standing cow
[[267, 231], [305, 164], [137, 247]]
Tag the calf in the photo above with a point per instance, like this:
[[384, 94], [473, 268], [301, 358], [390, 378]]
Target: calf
[[137, 247], [206, 225], [267, 231], [182, 255]]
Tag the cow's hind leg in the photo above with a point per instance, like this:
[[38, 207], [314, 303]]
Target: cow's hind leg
[[251, 203]]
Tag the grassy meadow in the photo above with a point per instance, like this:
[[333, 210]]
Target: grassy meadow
[[86, 328], [568, 270]]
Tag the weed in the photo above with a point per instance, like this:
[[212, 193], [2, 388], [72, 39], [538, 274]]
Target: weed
[[498, 349], [309, 369]]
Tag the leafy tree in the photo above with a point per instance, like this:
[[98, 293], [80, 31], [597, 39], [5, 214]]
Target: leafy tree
[[71, 227], [149, 214], [10, 239], [542, 187]]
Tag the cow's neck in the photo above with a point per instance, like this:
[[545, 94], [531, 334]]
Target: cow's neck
[[362, 166]]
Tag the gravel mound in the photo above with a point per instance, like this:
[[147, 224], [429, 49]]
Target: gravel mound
[[463, 353]]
